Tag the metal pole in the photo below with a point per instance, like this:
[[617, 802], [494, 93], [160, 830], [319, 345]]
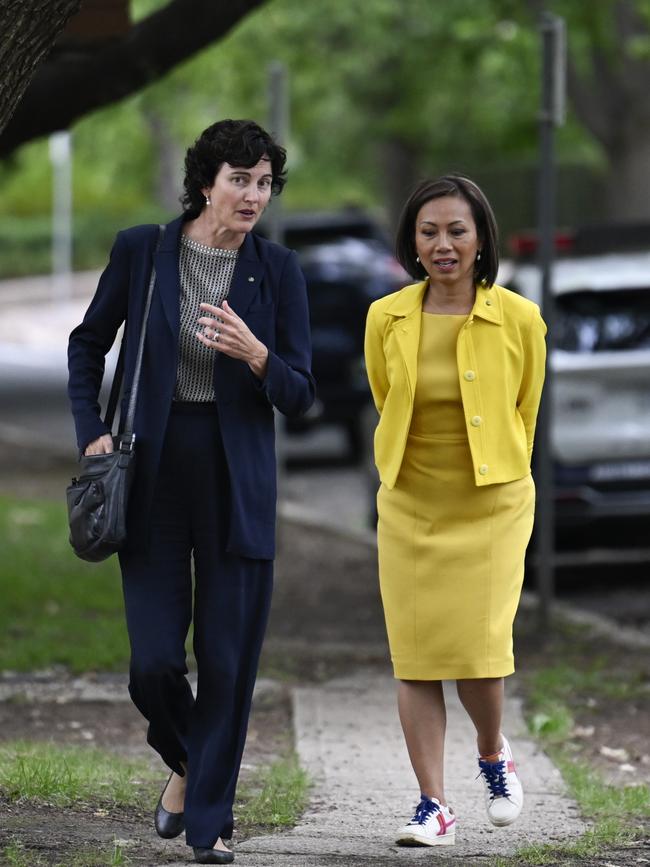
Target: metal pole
[[279, 128], [278, 96], [551, 114], [61, 159]]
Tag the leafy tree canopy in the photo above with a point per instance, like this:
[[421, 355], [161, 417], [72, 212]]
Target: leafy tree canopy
[[381, 92]]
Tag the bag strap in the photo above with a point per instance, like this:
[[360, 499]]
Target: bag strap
[[114, 396], [127, 437]]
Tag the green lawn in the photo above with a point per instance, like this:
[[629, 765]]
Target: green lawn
[[558, 682], [54, 608], [71, 775], [277, 801], [15, 854]]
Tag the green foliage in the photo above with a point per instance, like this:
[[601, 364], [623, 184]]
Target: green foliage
[[598, 800], [15, 854], [62, 776], [381, 94], [562, 680], [27, 242], [114, 857], [55, 608], [554, 722], [66, 776], [593, 843], [280, 798], [615, 811], [26, 247]]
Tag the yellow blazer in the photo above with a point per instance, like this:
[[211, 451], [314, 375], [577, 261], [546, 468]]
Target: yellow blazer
[[500, 353]]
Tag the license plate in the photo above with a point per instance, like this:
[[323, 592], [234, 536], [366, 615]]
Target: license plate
[[620, 470]]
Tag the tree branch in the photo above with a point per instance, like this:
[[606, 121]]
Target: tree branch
[[70, 87], [29, 28]]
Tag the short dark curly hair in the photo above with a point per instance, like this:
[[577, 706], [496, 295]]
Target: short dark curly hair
[[240, 143], [486, 268]]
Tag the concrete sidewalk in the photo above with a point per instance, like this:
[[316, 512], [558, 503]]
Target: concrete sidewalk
[[349, 740]]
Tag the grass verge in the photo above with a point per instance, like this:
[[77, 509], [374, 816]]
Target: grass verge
[[55, 609], [554, 695], [16, 855], [66, 775], [96, 782], [279, 799]]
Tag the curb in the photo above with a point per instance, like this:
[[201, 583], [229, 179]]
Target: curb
[[600, 625], [13, 436]]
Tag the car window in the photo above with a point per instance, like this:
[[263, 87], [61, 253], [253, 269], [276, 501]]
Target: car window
[[589, 321]]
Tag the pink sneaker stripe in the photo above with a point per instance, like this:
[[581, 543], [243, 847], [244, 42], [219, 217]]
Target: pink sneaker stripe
[[444, 826]]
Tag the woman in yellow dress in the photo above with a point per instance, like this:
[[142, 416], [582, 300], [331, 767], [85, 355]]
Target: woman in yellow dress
[[456, 367]]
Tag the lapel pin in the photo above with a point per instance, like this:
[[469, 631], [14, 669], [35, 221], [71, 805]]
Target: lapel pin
[[251, 279]]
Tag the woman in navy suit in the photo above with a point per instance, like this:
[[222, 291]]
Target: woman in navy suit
[[227, 342]]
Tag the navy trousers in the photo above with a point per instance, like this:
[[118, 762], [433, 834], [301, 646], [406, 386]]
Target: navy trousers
[[228, 603]]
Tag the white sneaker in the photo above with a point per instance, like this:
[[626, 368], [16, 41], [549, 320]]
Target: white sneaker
[[432, 825], [504, 796]]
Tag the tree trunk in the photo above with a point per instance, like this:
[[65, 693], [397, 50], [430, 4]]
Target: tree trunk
[[628, 179], [401, 167], [29, 28], [611, 100]]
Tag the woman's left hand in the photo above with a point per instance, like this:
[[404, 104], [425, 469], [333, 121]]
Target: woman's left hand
[[226, 332]]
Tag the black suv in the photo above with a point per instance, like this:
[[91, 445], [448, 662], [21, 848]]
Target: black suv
[[347, 263]]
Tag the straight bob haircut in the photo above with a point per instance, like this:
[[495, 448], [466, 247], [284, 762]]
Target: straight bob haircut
[[485, 270], [240, 143]]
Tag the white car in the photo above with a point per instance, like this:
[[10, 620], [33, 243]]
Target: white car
[[601, 397]]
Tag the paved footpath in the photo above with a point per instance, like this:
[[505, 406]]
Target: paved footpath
[[350, 742]]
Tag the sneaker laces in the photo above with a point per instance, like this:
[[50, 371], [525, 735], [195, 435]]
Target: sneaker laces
[[424, 810], [494, 775]]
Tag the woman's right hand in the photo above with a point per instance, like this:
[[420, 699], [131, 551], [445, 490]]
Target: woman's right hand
[[101, 446]]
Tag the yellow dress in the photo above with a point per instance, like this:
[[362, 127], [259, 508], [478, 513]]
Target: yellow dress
[[451, 554]]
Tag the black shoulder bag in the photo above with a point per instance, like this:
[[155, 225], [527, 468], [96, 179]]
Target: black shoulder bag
[[99, 497]]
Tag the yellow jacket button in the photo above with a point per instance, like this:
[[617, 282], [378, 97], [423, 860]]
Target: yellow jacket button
[[488, 302], [469, 375], [483, 469], [476, 421]]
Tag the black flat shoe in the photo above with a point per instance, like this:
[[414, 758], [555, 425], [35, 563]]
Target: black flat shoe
[[168, 825], [213, 856]]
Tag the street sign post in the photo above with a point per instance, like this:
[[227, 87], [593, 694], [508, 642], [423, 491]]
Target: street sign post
[[61, 160], [553, 44], [278, 96]]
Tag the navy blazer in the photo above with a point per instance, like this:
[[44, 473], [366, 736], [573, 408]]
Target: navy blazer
[[268, 292]]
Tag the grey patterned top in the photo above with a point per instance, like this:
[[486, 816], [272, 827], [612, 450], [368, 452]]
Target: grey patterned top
[[206, 274]]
